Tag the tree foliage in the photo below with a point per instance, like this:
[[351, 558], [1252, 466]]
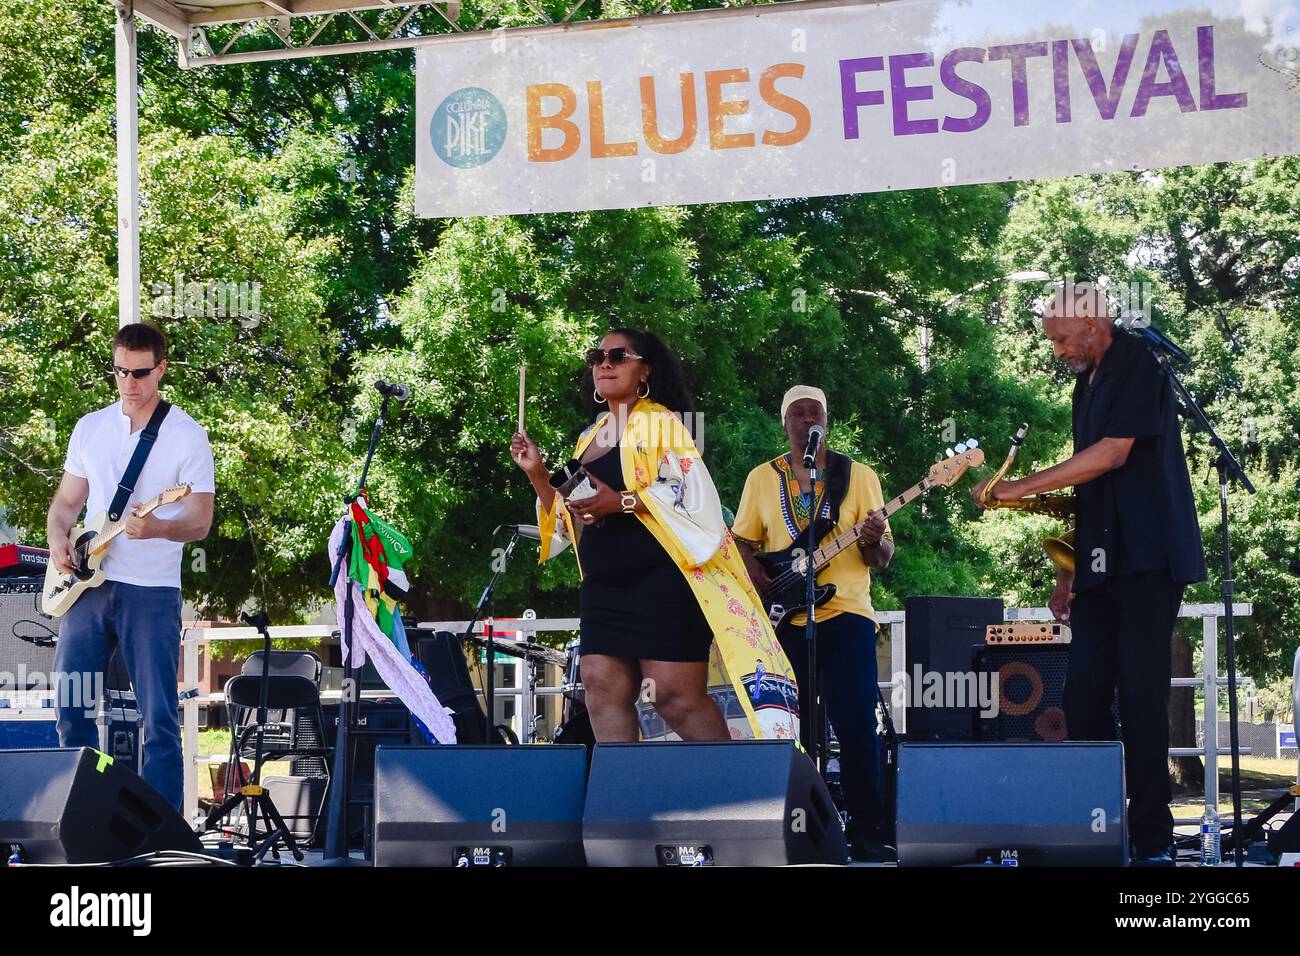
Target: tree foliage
[[297, 176]]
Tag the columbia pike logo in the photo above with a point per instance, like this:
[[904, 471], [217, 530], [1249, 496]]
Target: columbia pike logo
[[77, 909], [468, 128]]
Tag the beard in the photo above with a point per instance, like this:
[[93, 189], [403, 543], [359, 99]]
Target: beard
[[1080, 365]]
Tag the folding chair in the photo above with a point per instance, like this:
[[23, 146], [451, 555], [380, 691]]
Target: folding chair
[[294, 728]]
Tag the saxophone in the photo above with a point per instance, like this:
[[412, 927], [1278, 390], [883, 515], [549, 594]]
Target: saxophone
[[1060, 506]]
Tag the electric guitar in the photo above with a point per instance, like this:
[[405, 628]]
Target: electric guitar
[[89, 545], [787, 588]]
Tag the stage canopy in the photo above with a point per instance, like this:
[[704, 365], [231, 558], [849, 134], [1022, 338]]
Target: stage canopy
[[218, 32], [538, 108]]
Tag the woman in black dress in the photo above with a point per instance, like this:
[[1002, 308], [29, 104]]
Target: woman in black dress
[[642, 629]]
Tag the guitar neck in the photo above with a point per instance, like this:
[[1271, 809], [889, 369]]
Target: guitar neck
[[823, 555], [114, 528], [111, 530]]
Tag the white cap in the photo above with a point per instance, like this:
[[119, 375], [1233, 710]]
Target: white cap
[[802, 391]]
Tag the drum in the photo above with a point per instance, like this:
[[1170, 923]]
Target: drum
[[571, 687], [576, 729]]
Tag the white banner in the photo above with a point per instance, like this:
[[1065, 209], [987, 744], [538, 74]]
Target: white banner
[[808, 99]]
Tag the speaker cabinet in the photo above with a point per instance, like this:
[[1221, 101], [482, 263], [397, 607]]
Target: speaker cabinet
[[479, 806], [755, 803], [80, 806], [941, 634], [1005, 804]]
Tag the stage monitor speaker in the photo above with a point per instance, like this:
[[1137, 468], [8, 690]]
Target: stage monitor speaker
[[1031, 692], [479, 806], [79, 806], [941, 633], [756, 803], [1011, 804]]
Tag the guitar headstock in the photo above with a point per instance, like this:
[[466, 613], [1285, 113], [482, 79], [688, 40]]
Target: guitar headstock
[[965, 455], [174, 493]]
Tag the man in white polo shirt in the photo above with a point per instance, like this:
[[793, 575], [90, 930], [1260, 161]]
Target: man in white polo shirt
[[138, 607]]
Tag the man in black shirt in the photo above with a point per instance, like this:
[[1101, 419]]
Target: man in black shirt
[[1137, 545]]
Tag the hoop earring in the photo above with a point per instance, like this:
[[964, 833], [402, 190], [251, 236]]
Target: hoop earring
[[646, 383], [600, 399]]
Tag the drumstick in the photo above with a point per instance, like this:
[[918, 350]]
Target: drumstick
[[522, 366]]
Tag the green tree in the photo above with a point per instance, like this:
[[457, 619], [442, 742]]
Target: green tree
[[298, 175], [250, 350]]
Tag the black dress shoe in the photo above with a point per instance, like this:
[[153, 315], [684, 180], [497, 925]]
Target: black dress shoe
[[872, 851], [1163, 856]]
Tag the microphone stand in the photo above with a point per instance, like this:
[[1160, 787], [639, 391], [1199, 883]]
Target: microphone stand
[[1229, 469], [815, 734], [336, 833], [889, 755], [484, 610]]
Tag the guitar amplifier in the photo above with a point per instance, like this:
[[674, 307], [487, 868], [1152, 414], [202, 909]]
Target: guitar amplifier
[[27, 637], [29, 721], [384, 722], [1027, 632], [1031, 691]]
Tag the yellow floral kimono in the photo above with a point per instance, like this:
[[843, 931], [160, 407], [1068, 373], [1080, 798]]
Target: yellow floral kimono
[[684, 514]]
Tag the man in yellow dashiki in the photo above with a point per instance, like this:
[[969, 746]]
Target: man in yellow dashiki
[[773, 513]]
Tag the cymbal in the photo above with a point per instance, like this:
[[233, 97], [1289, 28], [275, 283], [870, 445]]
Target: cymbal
[[523, 649]]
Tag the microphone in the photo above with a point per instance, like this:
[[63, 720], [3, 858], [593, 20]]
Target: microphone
[[530, 531], [399, 392], [1154, 337], [815, 436]]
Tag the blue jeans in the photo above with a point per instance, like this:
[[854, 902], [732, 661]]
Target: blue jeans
[[146, 624], [846, 660]]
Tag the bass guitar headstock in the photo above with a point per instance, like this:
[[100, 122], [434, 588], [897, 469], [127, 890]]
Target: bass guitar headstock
[[958, 461]]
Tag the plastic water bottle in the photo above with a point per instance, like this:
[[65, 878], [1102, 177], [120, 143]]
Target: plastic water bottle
[[1210, 837]]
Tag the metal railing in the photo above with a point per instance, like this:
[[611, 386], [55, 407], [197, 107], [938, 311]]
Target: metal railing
[[1295, 717], [891, 623]]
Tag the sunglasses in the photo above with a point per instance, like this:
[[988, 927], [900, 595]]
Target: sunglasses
[[133, 372], [616, 356]]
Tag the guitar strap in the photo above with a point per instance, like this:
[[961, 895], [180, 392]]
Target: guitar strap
[[837, 481], [138, 457]]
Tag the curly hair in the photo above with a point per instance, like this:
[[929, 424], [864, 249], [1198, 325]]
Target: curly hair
[[668, 385]]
